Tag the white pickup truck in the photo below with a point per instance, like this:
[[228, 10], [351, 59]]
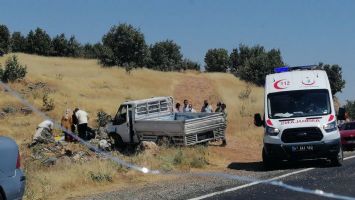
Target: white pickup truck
[[299, 117], [154, 120]]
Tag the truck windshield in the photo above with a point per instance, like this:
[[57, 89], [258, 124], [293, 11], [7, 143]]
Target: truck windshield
[[300, 103]]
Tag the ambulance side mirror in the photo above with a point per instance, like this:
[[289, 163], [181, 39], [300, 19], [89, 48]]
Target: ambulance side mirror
[[341, 114], [257, 120]]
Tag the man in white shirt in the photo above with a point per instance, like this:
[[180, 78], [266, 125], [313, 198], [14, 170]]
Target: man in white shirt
[[206, 107], [43, 133], [82, 117], [186, 106]]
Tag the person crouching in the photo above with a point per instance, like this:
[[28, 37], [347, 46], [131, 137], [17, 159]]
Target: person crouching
[[43, 133]]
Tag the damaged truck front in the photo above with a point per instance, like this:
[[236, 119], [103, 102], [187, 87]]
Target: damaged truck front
[[154, 120]]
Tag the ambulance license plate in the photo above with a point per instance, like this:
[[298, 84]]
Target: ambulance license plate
[[302, 148]]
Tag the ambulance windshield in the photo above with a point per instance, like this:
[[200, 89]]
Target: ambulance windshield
[[299, 103]]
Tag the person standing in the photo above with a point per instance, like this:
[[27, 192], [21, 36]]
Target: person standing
[[218, 108], [186, 106], [224, 111], [74, 122], [206, 107], [191, 109], [177, 108], [67, 122], [82, 117]]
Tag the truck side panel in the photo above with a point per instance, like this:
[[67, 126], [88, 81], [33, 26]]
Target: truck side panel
[[158, 127]]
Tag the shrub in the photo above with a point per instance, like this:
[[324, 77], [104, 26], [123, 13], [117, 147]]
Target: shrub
[[100, 177], [48, 103], [188, 64], [179, 157], [9, 109], [13, 70], [103, 118], [244, 94]]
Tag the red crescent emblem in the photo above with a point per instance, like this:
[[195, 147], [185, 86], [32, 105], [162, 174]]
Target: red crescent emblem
[[277, 86]]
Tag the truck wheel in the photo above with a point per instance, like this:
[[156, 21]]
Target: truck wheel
[[117, 142], [268, 162], [337, 160]]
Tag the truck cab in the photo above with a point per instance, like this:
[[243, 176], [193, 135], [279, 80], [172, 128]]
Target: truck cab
[[299, 117], [121, 128]]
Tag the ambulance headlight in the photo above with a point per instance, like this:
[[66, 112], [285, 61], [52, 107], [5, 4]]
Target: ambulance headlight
[[330, 127], [271, 131]]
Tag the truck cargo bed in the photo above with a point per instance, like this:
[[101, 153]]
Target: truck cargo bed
[[183, 128]]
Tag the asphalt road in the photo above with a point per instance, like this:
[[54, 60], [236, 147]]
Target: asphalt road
[[336, 180], [312, 175]]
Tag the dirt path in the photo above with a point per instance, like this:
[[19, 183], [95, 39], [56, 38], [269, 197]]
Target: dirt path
[[195, 89]]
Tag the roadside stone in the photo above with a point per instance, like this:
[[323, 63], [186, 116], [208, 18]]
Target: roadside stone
[[26, 110], [2, 115], [101, 133], [49, 161], [149, 147], [104, 145]]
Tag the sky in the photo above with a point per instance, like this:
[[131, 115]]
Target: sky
[[306, 31]]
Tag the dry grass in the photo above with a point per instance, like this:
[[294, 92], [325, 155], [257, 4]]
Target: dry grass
[[83, 83]]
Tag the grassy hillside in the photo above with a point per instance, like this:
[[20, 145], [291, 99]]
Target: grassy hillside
[[83, 83]]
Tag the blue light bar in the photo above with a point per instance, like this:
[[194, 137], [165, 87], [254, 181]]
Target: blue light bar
[[281, 69]]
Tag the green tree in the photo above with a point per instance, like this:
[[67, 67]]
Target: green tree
[[13, 70], [30, 42], [59, 45], [350, 109], [18, 42], [74, 47], [4, 39], [217, 60], [127, 45], [335, 76], [106, 57], [188, 64], [166, 56], [38, 42], [254, 63]]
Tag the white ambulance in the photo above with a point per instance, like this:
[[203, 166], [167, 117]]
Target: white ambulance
[[299, 119]]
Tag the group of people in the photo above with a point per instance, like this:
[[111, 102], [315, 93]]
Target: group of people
[[206, 107], [76, 121]]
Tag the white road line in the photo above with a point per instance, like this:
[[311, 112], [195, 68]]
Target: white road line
[[349, 157], [258, 182]]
